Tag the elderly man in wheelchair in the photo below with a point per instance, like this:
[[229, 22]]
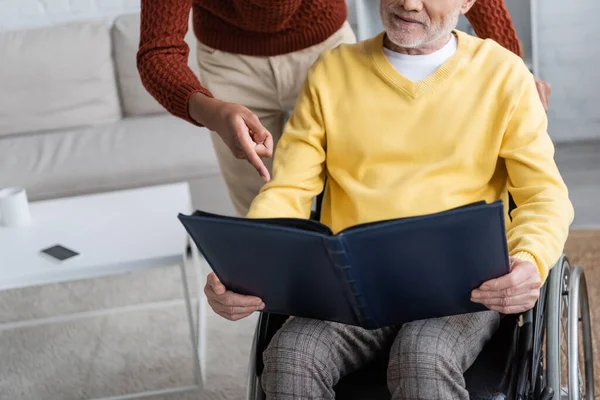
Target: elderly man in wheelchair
[[420, 119]]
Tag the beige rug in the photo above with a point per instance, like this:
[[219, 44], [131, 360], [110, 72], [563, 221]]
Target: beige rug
[[148, 348], [145, 348], [583, 248]]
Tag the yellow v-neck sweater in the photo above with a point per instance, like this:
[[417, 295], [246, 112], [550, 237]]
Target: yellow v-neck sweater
[[391, 148]]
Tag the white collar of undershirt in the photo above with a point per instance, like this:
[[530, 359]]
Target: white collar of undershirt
[[442, 54], [419, 67]]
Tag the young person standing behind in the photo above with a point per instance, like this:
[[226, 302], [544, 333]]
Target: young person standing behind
[[254, 57]]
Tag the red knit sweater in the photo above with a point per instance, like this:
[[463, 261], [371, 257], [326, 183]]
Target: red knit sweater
[[256, 27]]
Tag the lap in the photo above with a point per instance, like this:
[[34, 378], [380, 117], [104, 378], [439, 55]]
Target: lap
[[460, 337], [343, 347], [427, 359]]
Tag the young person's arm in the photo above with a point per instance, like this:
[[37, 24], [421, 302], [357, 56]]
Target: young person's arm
[[490, 19], [162, 62], [162, 57]]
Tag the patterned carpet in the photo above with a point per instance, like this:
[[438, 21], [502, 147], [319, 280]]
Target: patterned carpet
[[148, 348]]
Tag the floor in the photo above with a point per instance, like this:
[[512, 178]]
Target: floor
[[145, 346], [583, 249]]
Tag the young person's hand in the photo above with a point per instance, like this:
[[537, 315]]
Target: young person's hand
[[239, 128], [229, 305], [513, 293], [544, 89]]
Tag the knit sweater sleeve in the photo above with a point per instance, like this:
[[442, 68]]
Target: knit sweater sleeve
[[162, 57], [539, 225], [491, 20]]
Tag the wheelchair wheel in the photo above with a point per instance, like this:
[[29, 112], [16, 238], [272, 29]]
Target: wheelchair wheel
[[568, 318]]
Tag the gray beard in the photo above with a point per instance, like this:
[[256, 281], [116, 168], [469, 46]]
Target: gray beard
[[432, 36]]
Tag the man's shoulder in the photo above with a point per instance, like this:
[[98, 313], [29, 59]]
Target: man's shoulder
[[496, 65], [491, 54]]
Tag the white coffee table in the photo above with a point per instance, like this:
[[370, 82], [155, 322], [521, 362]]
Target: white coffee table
[[114, 233]]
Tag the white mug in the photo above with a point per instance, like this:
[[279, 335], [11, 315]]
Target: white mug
[[14, 207]]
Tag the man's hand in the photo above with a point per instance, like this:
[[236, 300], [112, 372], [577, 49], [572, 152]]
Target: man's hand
[[544, 90], [239, 128], [229, 305], [513, 293]]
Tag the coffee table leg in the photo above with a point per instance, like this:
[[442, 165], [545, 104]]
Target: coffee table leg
[[199, 264], [197, 338]]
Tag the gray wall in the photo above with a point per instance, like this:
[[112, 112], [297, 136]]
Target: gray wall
[[569, 54]]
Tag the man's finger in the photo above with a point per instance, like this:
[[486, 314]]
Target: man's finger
[[236, 310], [512, 309], [544, 89], [545, 99], [231, 299], [517, 300], [236, 317], [525, 287], [540, 90], [215, 284]]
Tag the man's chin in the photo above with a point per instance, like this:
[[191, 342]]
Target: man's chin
[[406, 41]]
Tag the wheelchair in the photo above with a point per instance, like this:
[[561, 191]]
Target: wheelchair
[[523, 360]]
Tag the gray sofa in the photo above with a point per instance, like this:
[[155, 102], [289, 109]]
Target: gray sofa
[[75, 118]]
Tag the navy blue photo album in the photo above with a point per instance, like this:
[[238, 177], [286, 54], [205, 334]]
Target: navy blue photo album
[[370, 275]]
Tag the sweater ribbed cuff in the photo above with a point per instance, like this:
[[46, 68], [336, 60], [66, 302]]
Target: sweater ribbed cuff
[[526, 256], [181, 99]]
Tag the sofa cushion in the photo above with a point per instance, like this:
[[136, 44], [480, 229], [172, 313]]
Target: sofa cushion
[[133, 152], [126, 37], [57, 77]]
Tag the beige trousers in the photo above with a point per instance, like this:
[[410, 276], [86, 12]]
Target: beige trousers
[[268, 86]]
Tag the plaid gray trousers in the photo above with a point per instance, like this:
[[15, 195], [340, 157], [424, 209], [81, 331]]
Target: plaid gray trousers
[[428, 358]]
